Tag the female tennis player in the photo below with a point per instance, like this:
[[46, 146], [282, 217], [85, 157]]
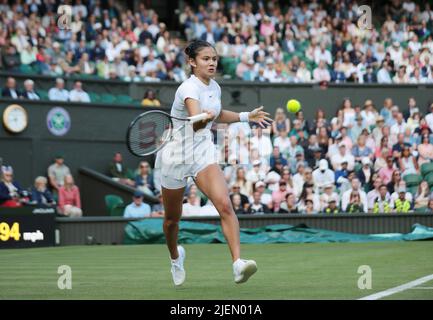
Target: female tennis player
[[198, 94]]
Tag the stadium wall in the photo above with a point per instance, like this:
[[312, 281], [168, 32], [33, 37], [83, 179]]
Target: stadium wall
[[110, 230]]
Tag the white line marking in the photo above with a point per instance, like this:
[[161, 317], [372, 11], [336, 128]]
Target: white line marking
[[401, 288]]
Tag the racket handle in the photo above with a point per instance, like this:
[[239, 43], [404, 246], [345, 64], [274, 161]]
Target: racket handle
[[198, 117]]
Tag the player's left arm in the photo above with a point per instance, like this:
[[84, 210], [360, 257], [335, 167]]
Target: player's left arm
[[257, 115]]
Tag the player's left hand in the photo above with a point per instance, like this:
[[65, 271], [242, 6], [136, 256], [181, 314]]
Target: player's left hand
[[261, 117]]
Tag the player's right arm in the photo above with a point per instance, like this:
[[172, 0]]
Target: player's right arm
[[193, 108]]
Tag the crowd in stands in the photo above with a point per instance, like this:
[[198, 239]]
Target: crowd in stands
[[58, 191], [271, 41], [316, 41], [369, 159], [103, 40]]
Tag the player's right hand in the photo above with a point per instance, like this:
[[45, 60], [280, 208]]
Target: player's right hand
[[211, 116]]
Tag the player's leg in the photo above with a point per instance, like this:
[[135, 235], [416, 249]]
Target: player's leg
[[172, 201], [217, 191], [212, 183]]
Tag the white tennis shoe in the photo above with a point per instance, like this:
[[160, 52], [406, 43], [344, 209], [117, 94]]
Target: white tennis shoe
[[177, 270], [243, 269]]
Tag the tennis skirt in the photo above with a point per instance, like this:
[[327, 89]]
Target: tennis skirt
[[180, 159]]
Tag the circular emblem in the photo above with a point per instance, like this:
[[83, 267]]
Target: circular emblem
[[58, 121]]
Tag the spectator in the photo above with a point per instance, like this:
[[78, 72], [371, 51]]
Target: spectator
[[11, 193], [360, 150], [425, 150], [365, 174], [303, 74], [298, 178], [321, 73], [191, 208], [397, 149], [86, 66], [11, 90], [342, 156], [237, 204], [384, 73], [281, 122], [256, 173], [327, 195], [137, 209], [11, 59], [40, 195], [78, 94], [309, 207], [158, 209], [332, 207], [289, 206], [323, 176], [150, 100], [257, 207], [265, 197], [381, 203], [402, 204], [387, 173], [355, 205], [59, 93], [118, 171], [153, 68], [144, 179], [370, 76], [308, 194], [279, 195], [69, 198], [347, 196], [29, 92], [57, 173], [408, 163], [236, 190], [422, 195]]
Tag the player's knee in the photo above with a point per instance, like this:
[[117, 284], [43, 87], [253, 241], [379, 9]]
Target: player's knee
[[170, 222], [226, 207]]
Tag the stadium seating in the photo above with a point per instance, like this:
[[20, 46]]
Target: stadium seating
[[412, 180], [115, 205]]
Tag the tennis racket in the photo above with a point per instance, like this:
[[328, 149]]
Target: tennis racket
[[151, 130]]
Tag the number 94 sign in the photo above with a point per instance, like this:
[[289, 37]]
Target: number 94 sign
[[8, 232]]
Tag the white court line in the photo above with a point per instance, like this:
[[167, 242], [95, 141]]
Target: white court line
[[401, 288]]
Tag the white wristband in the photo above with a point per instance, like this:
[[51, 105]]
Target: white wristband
[[243, 116]]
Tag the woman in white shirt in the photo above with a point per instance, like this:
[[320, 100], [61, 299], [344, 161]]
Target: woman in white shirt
[[198, 94]]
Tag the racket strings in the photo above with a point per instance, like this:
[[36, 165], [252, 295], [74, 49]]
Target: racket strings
[[149, 132]]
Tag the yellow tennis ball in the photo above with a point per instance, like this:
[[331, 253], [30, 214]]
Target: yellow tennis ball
[[293, 105]]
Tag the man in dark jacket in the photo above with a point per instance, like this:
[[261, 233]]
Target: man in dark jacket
[[11, 90]]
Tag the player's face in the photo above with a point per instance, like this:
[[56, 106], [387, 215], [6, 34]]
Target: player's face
[[206, 62]]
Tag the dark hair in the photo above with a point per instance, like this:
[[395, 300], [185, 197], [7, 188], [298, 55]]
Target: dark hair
[[195, 46], [303, 195]]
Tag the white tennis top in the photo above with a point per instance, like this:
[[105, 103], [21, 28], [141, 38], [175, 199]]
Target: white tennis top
[[208, 95], [184, 157]]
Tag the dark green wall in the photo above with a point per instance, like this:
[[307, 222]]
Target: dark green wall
[[96, 133]]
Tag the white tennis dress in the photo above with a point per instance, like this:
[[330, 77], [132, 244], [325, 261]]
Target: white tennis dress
[[189, 152]]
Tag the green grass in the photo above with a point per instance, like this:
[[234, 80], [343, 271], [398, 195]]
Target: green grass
[[286, 271]]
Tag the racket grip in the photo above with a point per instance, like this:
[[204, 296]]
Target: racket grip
[[198, 117]]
